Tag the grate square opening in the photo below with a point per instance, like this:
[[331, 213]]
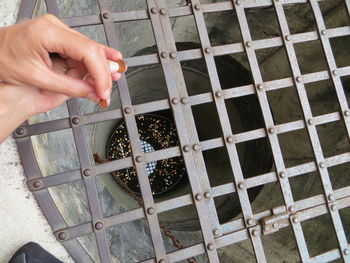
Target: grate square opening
[[339, 45], [306, 185], [334, 13]]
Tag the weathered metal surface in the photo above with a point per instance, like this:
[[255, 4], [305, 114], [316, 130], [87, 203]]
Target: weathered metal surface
[[251, 226]]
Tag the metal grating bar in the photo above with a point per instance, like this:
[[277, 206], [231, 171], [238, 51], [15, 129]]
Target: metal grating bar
[[271, 130]]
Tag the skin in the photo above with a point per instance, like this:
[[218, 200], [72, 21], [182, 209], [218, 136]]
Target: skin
[[41, 71]]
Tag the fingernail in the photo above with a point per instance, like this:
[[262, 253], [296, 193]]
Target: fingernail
[[107, 93], [109, 101], [104, 104], [113, 67]]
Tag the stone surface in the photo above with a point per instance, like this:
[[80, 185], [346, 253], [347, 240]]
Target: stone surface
[[21, 218]]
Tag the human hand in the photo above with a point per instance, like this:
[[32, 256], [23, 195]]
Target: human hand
[[25, 59]]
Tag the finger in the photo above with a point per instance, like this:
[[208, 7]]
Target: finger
[[112, 54], [116, 76], [87, 51]]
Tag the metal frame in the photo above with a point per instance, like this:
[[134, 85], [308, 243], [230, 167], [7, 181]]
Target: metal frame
[[215, 236]]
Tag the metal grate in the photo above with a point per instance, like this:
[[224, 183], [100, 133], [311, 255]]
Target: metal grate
[[251, 226]]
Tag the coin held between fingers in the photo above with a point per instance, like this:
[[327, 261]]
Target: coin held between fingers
[[123, 67]]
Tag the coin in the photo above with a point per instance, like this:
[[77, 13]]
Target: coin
[[122, 66], [103, 104]]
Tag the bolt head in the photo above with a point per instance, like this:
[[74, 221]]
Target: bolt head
[[335, 72], [250, 221], [241, 185], [75, 120], [248, 44], [106, 15], [150, 211], [323, 32], [283, 175], [184, 100], [186, 148], [36, 184], [210, 246], [331, 197], [291, 209], [260, 87], [346, 252], [62, 235], [230, 139], [310, 122], [207, 50], [196, 147], [216, 231], [295, 220], [197, 7], [238, 2], [322, 165], [333, 207], [255, 232], [139, 159], [207, 195], [275, 225], [198, 197], [162, 261], [127, 110], [154, 10], [87, 172], [347, 113], [163, 11], [298, 79], [164, 54], [175, 101], [288, 38], [272, 130], [218, 94], [173, 55], [98, 225], [20, 131], [266, 228]]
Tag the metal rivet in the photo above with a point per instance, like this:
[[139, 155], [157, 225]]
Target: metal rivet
[[198, 197], [272, 130], [210, 246], [36, 184], [346, 252], [288, 38], [98, 225], [150, 211], [335, 72], [196, 147], [331, 197], [250, 221], [197, 7], [260, 87], [230, 139], [173, 55], [139, 159], [62, 235], [323, 32], [291, 209], [310, 122], [248, 43], [106, 15], [75, 120], [275, 225], [241, 185], [322, 165], [184, 100], [238, 2], [154, 10], [186, 148], [333, 207], [255, 232], [207, 195], [298, 79], [207, 50], [216, 231], [283, 174], [20, 131], [266, 229], [175, 101], [295, 219], [218, 94], [164, 54], [87, 172], [162, 261], [127, 110], [163, 11], [347, 113]]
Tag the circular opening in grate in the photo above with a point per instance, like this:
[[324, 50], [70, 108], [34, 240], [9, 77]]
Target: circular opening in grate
[[156, 132]]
